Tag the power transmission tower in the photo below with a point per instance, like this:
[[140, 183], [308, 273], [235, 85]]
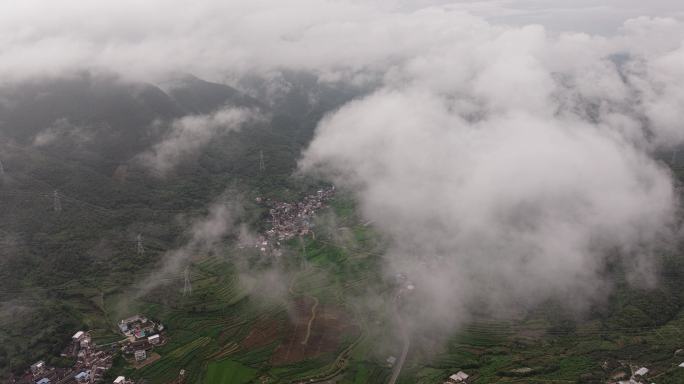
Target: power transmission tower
[[262, 165], [139, 245], [187, 287], [57, 204]]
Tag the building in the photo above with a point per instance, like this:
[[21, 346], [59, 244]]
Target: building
[[120, 380], [139, 334], [138, 327], [391, 361], [154, 339], [458, 377], [85, 341], [140, 355], [89, 367], [123, 327], [77, 336], [83, 377], [643, 371], [38, 368], [125, 324]]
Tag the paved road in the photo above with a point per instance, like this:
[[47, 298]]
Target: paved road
[[407, 342]]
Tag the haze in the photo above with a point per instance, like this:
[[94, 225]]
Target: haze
[[508, 152]]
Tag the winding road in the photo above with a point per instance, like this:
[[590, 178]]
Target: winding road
[[407, 342]]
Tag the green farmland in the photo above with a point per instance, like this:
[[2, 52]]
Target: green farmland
[[229, 372], [222, 333]]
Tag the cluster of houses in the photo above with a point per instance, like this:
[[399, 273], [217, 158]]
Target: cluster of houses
[[139, 327], [91, 362], [294, 219], [142, 335], [628, 374], [289, 220]]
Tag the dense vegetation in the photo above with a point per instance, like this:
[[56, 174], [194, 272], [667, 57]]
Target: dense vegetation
[[57, 268], [76, 268]]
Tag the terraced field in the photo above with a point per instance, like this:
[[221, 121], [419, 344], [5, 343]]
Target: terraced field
[[219, 333], [229, 372], [320, 332]]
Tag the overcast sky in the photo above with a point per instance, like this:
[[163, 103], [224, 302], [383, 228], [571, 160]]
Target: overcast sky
[[591, 16], [152, 37]]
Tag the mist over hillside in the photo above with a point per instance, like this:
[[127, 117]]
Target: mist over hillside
[[363, 171], [90, 141]]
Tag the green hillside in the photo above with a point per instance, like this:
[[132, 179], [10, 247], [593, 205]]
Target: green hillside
[[73, 264]]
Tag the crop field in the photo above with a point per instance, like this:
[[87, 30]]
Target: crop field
[[534, 352], [318, 330], [220, 333], [229, 372]]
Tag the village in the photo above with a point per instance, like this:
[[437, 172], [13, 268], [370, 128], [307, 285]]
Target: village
[[91, 361], [290, 220], [141, 334]]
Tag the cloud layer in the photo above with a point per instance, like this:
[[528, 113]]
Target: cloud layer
[[437, 43], [508, 165], [514, 208], [204, 236], [190, 134], [220, 39], [505, 162]]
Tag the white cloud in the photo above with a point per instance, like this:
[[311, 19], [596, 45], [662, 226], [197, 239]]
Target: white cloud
[[219, 39], [204, 234], [504, 161], [508, 164], [63, 130], [190, 133], [518, 206]]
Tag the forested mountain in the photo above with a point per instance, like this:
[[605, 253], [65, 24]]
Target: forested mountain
[[76, 142]]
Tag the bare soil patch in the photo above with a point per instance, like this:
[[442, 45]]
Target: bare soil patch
[[324, 336]]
